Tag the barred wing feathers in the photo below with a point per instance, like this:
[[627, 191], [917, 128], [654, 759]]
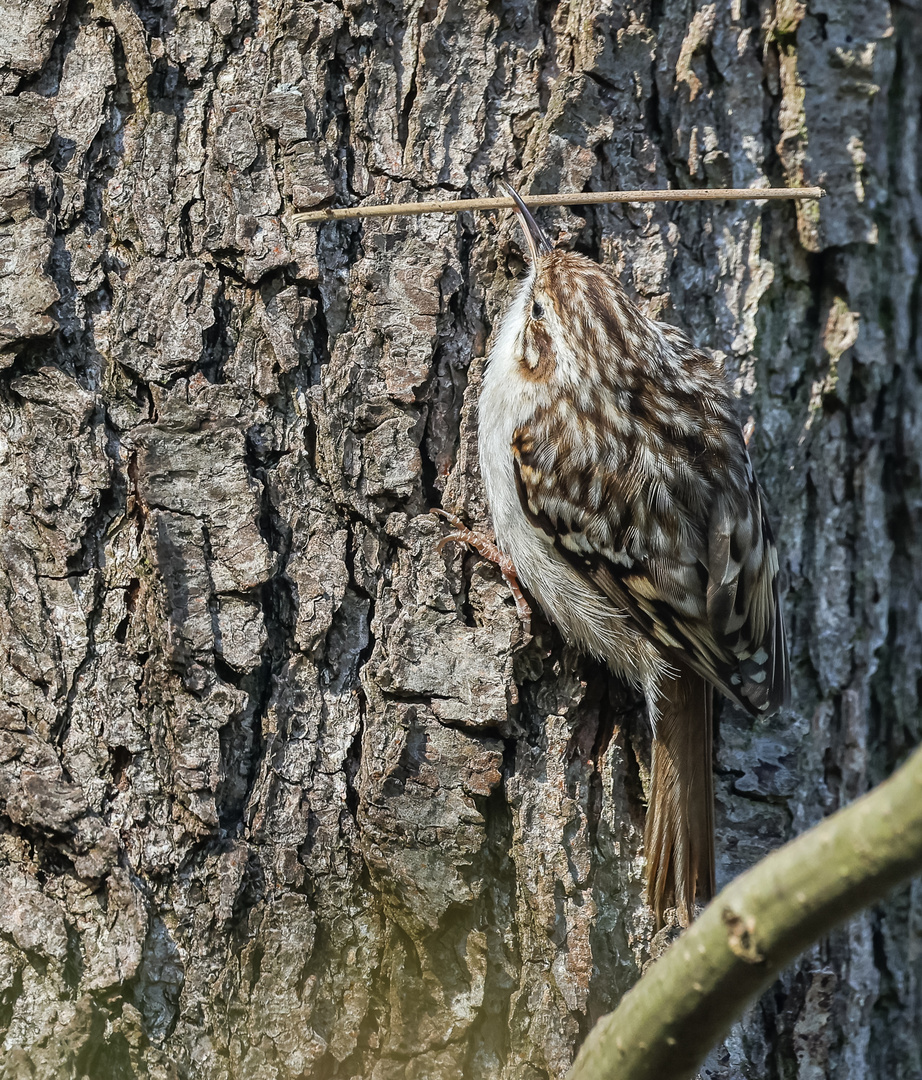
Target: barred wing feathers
[[676, 535]]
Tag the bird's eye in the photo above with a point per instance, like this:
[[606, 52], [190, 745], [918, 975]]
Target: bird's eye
[[537, 310]]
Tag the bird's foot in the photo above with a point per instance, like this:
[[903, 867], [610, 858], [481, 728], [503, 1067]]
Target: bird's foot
[[487, 549]]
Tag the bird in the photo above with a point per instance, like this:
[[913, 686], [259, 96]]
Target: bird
[[624, 501]]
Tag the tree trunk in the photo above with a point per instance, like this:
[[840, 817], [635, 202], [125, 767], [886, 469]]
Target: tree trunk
[[284, 791]]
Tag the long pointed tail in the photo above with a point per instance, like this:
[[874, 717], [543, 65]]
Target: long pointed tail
[[679, 833]]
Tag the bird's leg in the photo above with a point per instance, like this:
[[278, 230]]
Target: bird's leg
[[488, 550]]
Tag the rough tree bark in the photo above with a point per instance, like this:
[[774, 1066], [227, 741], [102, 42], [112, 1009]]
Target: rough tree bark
[[283, 792]]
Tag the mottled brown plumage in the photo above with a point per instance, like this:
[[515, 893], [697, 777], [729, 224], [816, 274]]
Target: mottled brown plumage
[[621, 488]]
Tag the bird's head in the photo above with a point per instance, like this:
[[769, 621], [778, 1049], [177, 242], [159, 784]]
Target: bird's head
[[573, 314]]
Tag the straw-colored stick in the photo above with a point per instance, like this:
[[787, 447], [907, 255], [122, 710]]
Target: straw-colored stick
[[582, 198]]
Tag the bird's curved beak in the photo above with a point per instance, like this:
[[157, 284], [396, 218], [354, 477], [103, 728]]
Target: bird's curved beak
[[538, 243]]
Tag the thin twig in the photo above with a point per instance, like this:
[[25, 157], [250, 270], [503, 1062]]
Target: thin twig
[[582, 198]]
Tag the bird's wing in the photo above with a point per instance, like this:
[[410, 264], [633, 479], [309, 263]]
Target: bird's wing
[[676, 536]]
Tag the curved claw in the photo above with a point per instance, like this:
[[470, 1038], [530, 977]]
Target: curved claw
[[488, 550], [461, 534]]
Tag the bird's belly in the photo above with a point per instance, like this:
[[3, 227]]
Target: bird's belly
[[585, 616]]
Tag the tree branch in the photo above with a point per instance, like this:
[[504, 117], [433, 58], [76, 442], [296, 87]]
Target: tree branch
[[688, 999]]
